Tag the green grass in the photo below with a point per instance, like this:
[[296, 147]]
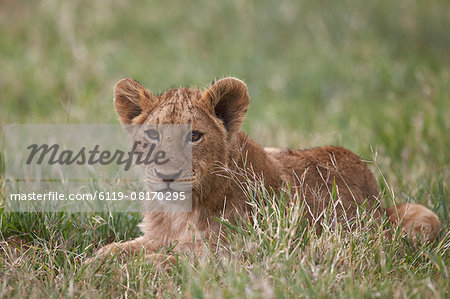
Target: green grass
[[371, 76]]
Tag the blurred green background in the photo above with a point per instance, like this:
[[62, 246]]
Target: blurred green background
[[372, 76]]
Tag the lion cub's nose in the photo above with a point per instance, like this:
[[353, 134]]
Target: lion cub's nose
[[167, 178]]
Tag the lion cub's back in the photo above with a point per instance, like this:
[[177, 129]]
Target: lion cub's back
[[320, 167]]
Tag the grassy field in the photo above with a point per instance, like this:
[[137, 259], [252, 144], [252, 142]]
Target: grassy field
[[373, 76]]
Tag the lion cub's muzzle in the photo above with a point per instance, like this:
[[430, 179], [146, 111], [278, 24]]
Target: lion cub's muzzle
[[169, 180]]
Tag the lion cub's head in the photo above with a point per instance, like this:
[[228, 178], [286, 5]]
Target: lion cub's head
[[215, 116]]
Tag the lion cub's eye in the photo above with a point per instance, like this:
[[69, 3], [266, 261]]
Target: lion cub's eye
[[196, 136], [152, 134]]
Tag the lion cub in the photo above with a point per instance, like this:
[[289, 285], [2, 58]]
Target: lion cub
[[216, 115]]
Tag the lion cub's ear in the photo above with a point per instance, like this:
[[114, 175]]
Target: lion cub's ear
[[130, 99], [229, 99]]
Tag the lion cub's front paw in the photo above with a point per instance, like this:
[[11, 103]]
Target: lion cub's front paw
[[110, 249], [161, 259], [113, 249]]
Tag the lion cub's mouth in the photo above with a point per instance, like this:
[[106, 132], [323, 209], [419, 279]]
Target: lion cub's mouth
[[181, 185], [175, 181]]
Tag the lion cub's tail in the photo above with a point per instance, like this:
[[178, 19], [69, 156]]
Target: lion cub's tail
[[416, 220]]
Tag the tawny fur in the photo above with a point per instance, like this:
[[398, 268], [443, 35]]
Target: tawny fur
[[218, 112], [416, 220]]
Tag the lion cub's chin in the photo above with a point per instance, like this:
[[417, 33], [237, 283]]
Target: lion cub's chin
[[171, 187]]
